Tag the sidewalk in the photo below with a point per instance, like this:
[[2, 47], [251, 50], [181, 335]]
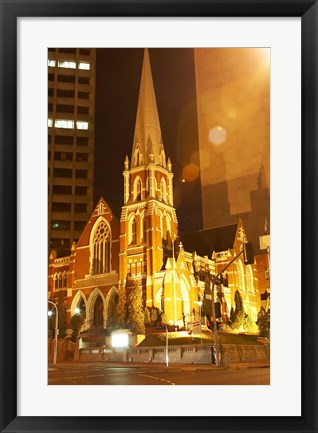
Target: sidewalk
[[187, 367]]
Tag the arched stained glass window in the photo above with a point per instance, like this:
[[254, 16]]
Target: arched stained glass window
[[101, 249]]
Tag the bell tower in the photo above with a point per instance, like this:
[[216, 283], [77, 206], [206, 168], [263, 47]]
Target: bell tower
[[148, 223]]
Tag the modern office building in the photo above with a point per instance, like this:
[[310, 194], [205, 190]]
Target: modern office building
[[71, 125], [233, 109]]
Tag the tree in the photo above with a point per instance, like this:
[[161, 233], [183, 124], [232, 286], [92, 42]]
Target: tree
[[238, 314], [76, 323], [263, 323], [122, 306], [113, 313], [249, 325], [60, 302], [147, 317], [136, 316]]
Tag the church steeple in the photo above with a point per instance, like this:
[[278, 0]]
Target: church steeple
[[147, 138]]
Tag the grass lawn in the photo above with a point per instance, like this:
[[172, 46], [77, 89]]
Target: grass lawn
[[180, 338]]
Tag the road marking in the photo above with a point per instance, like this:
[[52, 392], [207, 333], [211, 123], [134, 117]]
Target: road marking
[[95, 375], [156, 378]]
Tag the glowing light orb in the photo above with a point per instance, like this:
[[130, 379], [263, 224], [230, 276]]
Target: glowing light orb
[[190, 172], [217, 135]]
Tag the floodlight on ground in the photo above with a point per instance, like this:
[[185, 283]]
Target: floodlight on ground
[[120, 339]]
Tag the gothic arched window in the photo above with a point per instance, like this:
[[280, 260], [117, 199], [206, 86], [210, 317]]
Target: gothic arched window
[[132, 231], [101, 249], [144, 227], [163, 190], [137, 157], [137, 189], [249, 279], [240, 275]]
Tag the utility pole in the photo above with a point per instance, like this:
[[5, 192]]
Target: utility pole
[[56, 331]]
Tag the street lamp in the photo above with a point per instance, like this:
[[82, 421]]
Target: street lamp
[[56, 331], [200, 305], [174, 284], [247, 252]]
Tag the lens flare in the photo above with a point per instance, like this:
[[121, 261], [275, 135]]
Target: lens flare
[[217, 135]]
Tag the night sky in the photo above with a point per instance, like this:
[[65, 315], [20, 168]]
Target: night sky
[[118, 73]]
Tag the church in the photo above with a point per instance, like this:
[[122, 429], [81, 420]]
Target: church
[[140, 245]]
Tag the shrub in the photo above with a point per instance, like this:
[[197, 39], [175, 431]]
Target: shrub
[[263, 323], [76, 323]]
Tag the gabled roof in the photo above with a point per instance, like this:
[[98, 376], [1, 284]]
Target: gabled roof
[[101, 209], [204, 242]]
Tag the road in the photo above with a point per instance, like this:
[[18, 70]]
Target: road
[[150, 374]]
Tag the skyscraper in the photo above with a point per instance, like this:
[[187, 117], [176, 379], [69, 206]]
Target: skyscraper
[[233, 108], [71, 125]]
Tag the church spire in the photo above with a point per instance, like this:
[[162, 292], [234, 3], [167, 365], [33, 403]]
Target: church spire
[[147, 138]]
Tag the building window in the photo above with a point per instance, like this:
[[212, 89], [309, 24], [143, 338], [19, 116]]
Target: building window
[[144, 228], [62, 172], [81, 125], [132, 231], [137, 157], [66, 78], [62, 189], [60, 280], [83, 80], [84, 65], [67, 124], [63, 156], [63, 139], [61, 93], [80, 207], [67, 50], [80, 190], [240, 275], [85, 51], [81, 174], [51, 63], [82, 141], [61, 207], [83, 95], [137, 189], [82, 157], [66, 64], [249, 279], [61, 225], [101, 249], [50, 123], [163, 190], [83, 110], [62, 108], [79, 225]]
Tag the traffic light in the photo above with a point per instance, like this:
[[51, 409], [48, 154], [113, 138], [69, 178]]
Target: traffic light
[[248, 253]]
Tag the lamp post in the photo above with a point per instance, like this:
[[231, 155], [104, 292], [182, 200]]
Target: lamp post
[[56, 331], [174, 284], [215, 328], [200, 305], [247, 252]]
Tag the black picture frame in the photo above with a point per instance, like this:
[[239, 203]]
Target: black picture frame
[[10, 12]]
